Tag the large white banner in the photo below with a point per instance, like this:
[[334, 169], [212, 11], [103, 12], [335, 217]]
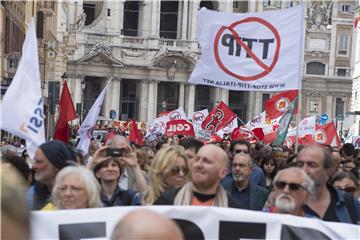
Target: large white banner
[[257, 51], [22, 106], [195, 222]]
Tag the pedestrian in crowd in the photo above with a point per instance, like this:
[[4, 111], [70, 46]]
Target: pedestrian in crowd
[[347, 151], [108, 173], [326, 203], [347, 182], [146, 224], [150, 155], [204, 189], [8, 150], [250, 196], [257, 176], [278, 152], [75, 187], [191, 146], [20, 164], [15, 216], [132, 178], [293, 187], [170, 169], [50, 157], [269, 167]]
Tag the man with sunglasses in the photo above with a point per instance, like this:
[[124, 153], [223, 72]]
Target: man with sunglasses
[[257, 176], [292, 189], [326, 203], [250, 196]]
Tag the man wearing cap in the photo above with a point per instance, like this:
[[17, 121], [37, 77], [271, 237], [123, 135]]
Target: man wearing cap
[[50, 157]]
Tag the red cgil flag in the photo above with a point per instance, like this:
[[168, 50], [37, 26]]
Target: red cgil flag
[[135, 135], [218, 118], [67, 113], [276, 106]]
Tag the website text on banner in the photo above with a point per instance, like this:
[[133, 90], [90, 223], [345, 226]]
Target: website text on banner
[[255, 51], [195, 222]]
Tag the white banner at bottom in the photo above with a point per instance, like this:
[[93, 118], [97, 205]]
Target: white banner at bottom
[[195, 222]]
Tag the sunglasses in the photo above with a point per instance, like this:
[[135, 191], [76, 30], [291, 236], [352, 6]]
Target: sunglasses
[[176, 170], [292, 186], [348, 189], [241, 151], [269, 164]]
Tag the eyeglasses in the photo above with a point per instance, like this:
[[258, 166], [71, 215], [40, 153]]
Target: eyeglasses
[[348, 189], [269, 164], [292, 186], [176, 170], [236, 151]]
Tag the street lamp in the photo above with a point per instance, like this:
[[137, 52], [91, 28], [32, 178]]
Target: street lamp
[[83, 86]]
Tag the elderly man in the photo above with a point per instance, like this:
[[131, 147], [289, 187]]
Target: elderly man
[[209, 167], [146, 224], [327, 203], [49, 159], [292, 189], [250, 196]]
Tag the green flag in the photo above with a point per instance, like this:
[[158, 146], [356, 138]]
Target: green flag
[[284, 123]]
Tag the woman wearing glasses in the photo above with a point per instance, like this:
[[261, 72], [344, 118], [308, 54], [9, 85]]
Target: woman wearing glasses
[[347, 182], [74, 188], [170, 169]]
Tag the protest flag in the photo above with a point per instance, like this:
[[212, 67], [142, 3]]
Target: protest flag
[[67, 113], [284, 123], [276, 106], [218, 118], [22, 106], [135, 135], [90, 121]]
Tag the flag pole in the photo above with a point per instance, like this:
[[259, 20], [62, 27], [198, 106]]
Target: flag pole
[[299, 113]]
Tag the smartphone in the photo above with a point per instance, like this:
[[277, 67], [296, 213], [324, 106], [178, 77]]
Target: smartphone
[[114, 152]]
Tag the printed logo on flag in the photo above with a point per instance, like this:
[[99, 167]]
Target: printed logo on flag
[[198, 118], [215, 120], [320, 136], [228, 127], [175, 115], [157, 127], [282, 104]]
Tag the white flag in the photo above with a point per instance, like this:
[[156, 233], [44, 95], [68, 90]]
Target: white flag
[[158, 126], [256, 51], [307, 126], [22, 106], [198, 117], [228, 129], [177, 114], [259, 121], [90, 121]]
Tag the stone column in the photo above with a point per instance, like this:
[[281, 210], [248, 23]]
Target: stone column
[[251, 106], [117, 15], [155, 19], [191, 99], [329, 108], [144, 98], [182, 95], [112, 101], [152, 100], [145, 18], [184, 22], [224, 95], [193, 5]]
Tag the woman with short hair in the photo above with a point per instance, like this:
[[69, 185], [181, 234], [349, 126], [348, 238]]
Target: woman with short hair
[[74, 188], [170, 169]]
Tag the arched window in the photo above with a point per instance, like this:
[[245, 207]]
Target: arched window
[[315, 68]]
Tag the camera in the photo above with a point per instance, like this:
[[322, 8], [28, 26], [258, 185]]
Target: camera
[[115, 152]]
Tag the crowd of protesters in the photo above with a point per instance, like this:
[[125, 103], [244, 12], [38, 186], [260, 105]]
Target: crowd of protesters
[[317, 181]]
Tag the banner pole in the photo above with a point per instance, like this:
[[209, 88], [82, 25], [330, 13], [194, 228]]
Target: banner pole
[[299, 113]]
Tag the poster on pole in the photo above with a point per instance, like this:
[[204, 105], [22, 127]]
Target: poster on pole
[[258, 51]]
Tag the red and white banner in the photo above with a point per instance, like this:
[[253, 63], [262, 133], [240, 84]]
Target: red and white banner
[[179, 127], [258, 121], [276, 106], [256, 51], [228, 128], [327, 135], [177, 114], [218, 118], [307, 126], [198, 117]]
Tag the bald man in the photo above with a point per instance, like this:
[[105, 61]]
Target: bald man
[[204, 189], [145, 224]]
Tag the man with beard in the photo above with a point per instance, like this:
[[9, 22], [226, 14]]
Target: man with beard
[[204, 189], [327, 203], [249, 195], [292, 189]]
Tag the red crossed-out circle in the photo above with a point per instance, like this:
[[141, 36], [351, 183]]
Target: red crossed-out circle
[[267, 69]]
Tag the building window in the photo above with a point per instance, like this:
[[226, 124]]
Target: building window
[[91, 92], [169, 19], [313, 106], [128, 99], [291, 4], [344, 8], [168, 96], [203, 97], [89, 10], [109, 12], [39, 24], [240, 6], [339, 107], [275, 3], [131, 18], [315, 68], [341, 72], [265, 97], [238, 102], [343, 44], [211, 5]]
